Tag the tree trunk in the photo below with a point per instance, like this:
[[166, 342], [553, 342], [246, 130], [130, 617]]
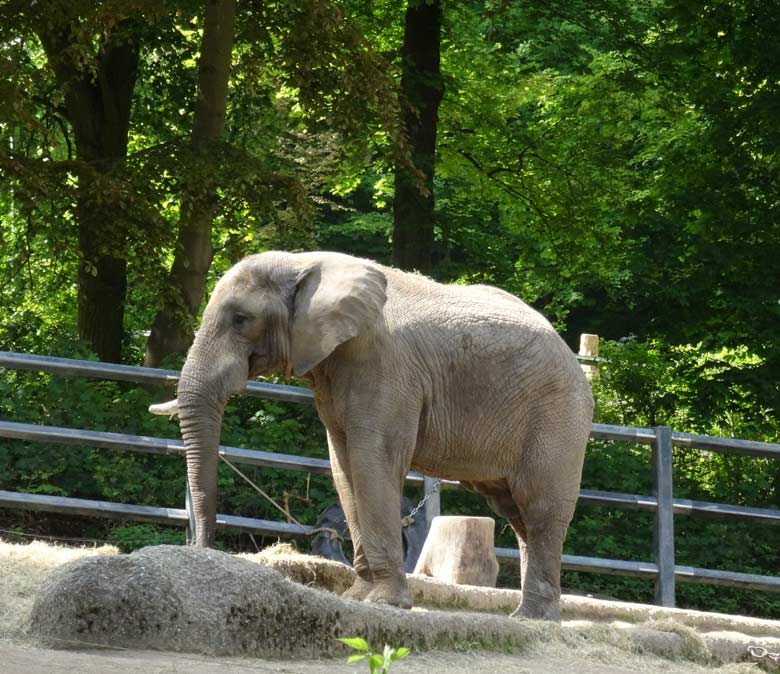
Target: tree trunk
[[173, 327], [97, 105], [422, 89], [102, 280]]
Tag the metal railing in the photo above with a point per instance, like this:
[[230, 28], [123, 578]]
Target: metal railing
[[662, 439]]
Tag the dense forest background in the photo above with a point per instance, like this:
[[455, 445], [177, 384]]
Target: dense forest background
[[614, 164]]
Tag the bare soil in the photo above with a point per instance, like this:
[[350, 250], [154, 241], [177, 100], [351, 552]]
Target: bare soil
[[20, 658]]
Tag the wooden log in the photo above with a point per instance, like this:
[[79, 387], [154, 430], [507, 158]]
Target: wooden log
[[460, 550]]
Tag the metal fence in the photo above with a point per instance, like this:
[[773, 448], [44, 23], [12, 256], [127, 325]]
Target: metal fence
[[662, 439]]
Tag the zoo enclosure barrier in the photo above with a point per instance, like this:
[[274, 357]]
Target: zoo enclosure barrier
[[663, 439]]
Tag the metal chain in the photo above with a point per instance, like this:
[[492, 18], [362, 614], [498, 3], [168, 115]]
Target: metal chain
[[761, 652], [409, 519]]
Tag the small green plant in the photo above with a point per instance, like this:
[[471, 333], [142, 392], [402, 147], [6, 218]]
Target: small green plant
[[378, 664]]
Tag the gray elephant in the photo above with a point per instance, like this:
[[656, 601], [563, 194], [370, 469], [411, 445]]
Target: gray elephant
[[461, 382]]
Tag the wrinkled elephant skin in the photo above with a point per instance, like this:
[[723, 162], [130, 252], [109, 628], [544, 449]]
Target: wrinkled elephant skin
[[461, 382]]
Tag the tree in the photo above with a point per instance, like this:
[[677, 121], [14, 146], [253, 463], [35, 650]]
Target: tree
[[422, 89], [311, 97], [98, 88], [172, 330], [340, 91]]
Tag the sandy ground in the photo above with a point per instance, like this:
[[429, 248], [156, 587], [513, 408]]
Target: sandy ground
[[22, 568], [22, 658]]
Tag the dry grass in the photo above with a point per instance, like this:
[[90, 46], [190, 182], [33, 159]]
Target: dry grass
[[22, 570], [304, 569]]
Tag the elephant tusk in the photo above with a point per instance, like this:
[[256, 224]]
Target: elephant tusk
[[170, 409]]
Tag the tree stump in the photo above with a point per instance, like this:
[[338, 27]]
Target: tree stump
[[460, 550]]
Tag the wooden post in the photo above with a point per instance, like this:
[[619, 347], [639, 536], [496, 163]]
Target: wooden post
[[190, 531], [589, 348], [663, 532], [433, 504]]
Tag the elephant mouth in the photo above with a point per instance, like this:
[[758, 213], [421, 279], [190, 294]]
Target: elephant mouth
[[258, 365]]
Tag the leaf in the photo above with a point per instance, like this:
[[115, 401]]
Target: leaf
[[356, 642], [376, 662], [399, 653], [355, 658]]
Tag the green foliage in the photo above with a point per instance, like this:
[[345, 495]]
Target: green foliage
[[135, 536], [377, 663], [368, 233], [145, 479], [695, 390], [692, 387], [613, 164]]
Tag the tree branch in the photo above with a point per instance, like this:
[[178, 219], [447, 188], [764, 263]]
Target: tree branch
[[504, 186]]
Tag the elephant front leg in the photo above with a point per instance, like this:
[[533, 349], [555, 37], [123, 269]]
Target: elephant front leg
[[376, 478], [363, 582]]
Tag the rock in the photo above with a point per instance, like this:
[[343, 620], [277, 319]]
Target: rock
[[460, 550], [206, 601]]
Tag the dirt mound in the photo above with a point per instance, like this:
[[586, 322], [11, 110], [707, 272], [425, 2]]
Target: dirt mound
[[696, 636], [206, 601], [429, 592]]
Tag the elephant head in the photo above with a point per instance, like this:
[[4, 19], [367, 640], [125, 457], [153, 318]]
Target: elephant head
[[271, 313]]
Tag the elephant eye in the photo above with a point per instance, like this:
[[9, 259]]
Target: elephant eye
[[239, 320]]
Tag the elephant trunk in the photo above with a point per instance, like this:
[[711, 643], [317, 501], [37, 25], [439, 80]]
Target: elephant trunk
[[204, 388], [201, 422]]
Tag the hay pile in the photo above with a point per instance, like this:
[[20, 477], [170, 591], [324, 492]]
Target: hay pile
[[22, 570], [608, 632], [199, 600], [307, 570]]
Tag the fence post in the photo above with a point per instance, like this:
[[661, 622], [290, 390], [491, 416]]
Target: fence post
[[663, 532], [433, 504], [589, 347], [190, 531]]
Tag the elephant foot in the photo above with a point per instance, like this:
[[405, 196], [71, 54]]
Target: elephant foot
[[551, 612], [391, 594], [359, 590]]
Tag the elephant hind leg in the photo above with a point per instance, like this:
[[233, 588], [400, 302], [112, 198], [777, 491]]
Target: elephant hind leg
[[541, 527], [498, 496], [540, 570], [502, 502]]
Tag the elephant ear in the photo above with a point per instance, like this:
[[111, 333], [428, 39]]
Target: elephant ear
[[338, 297]]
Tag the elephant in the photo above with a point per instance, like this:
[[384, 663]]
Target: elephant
[[465, 383]]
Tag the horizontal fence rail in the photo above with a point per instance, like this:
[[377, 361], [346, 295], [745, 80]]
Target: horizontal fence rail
[[151, 445], [174, 516], [664, 571], [153, 514], [254, 457], [67, 367]]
